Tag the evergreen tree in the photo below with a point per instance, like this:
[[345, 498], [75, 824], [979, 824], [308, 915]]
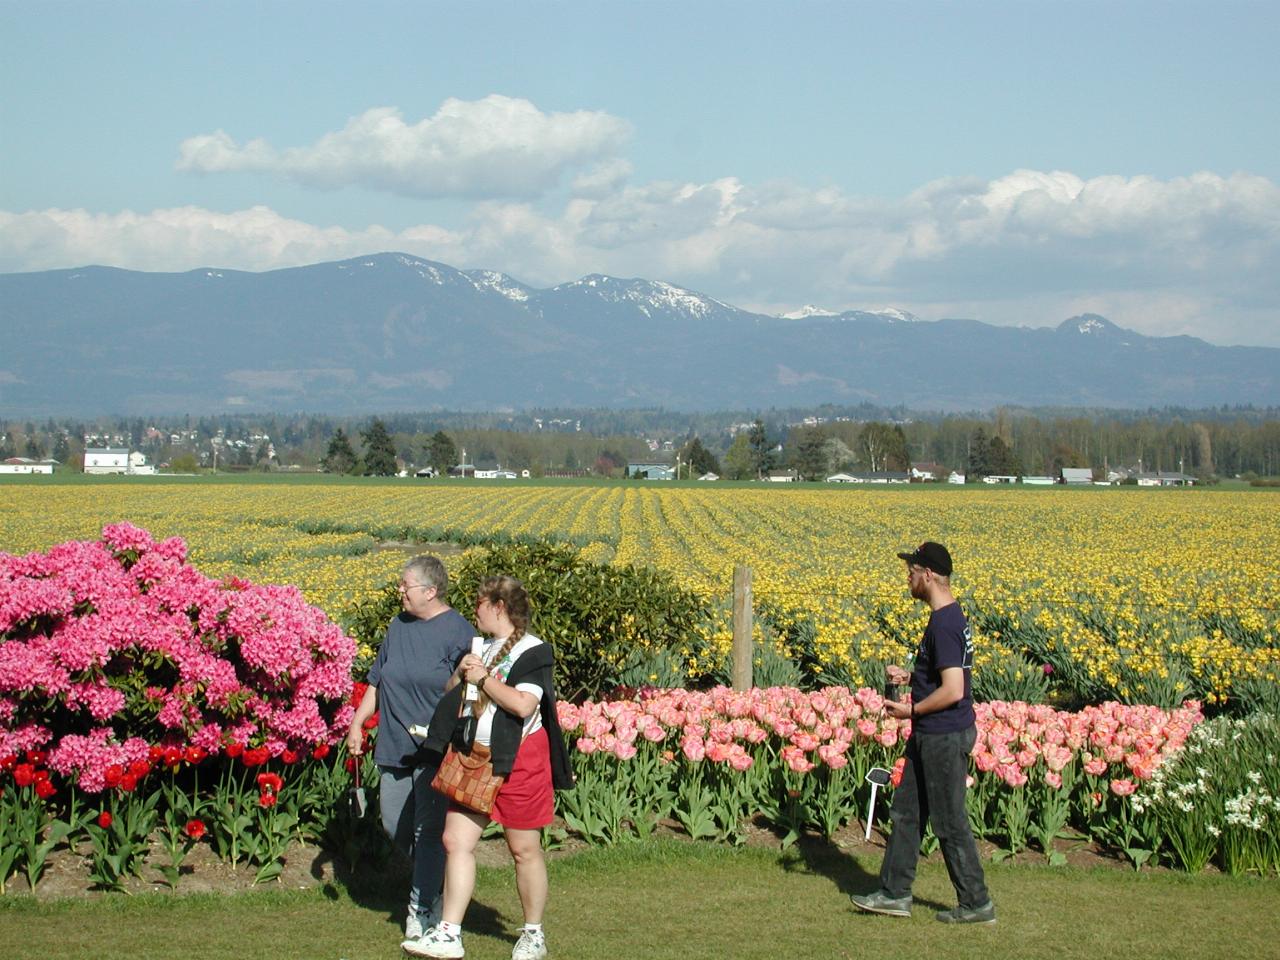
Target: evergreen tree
[[442, 452], [379, 450], [340, 458], [979, 455], [762, 457], [809, 452], [1001, 459], [699, 458]]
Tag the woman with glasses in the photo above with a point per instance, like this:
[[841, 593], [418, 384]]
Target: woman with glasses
[[514, 715], [423, 645]]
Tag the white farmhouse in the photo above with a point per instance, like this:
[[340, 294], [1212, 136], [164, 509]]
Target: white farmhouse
[[106, 459]]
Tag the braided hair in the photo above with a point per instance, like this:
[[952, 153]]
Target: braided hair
[[511, 593]]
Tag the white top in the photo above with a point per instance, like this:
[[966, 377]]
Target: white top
[[484, 727]]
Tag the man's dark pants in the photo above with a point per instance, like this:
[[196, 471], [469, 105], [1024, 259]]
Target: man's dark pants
[[932, 791]]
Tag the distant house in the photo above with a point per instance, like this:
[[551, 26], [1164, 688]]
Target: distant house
[[496, 474], [710, 476], [1077, 475], [651, 471], [955, 476], [426, 472], [782, 476], [138, 465], [106, 460], [924, 472], [1165, 478], [1039, 481], [27, 465], [1000, 478], [463, 470], [871, 476]]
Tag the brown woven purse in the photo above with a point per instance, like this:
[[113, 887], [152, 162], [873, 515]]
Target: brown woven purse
[[468, 779]]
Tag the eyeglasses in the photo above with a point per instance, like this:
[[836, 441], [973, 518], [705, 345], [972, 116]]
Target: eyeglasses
[[406, 587]]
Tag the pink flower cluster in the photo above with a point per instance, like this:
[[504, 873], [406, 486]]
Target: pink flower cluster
[[1124, 744], [723, 726], [1016, 741], [105, 646]]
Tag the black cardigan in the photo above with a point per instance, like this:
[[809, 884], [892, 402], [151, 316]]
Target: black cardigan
[[535, 665]]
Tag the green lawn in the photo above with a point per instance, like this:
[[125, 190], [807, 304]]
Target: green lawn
[[673, 899]]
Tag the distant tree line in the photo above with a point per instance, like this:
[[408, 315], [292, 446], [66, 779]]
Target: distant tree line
[[1239, 441]]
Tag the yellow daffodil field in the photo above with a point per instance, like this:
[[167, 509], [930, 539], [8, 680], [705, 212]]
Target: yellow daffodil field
[[1143, 595]]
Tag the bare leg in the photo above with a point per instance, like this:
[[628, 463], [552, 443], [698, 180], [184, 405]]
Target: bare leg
[[462, 830], [531, 871]]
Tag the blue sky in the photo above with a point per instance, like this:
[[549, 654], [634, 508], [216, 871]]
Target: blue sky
[[1014, 162]]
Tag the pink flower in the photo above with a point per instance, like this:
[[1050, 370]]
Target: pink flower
[[1123, 788], [96, 611]]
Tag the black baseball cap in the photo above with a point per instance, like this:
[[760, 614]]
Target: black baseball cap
[[930, 555]]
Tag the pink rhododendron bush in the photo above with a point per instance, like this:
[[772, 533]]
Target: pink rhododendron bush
[[109, 648], [141, 703]]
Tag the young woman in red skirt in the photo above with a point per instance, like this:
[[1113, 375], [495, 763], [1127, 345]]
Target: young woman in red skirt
[[513, 713]]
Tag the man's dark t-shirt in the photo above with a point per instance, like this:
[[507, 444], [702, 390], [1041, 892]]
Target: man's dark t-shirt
[[947, 643], [411, 669]]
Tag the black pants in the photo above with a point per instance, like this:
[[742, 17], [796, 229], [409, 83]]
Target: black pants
[[932, 791]]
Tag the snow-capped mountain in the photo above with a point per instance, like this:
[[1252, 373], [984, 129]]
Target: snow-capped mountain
[[396, 332], [808, 310]]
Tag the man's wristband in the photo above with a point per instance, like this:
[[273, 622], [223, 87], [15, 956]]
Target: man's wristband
[[480, 682], [913, 711]]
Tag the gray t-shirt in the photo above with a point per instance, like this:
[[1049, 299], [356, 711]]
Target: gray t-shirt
[[412, 667]]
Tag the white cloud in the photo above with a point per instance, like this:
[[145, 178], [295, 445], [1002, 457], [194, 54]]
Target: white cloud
[[495, 147], [1197, 254]]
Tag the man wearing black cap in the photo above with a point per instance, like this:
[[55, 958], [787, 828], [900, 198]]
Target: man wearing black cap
[[943, 731]]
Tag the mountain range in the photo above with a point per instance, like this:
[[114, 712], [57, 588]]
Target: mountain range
[[394, 332]]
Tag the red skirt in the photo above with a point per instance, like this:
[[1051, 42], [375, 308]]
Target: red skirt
[[525, 801]]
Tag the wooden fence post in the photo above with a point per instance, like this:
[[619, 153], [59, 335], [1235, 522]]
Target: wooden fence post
[[742, 646]]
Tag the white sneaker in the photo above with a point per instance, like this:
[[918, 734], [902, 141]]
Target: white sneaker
[[532, 945], [413, 927], [434, 943]]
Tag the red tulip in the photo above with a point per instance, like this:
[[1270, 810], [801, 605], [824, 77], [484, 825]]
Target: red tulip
[[104, 819], [195, 829]]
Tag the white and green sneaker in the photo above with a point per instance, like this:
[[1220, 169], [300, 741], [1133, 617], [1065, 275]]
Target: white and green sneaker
[[435, 943], [532, 945]]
